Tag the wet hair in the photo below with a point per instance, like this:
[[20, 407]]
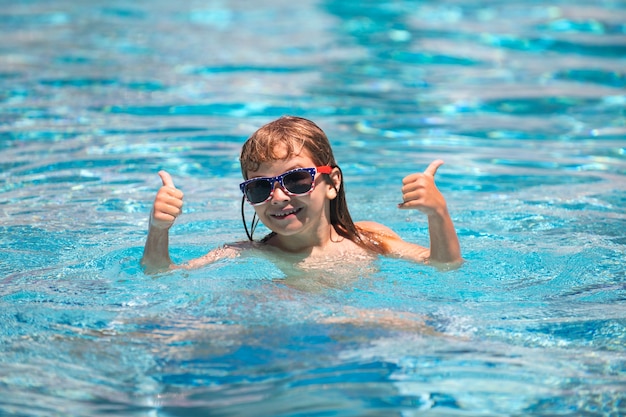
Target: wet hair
[[286, 137]]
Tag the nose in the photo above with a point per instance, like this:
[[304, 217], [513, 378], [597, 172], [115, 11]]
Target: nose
[[278, 194]]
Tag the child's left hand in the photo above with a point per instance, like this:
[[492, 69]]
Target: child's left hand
[[420, 192]]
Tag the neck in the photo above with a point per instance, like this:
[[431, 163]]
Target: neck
[[305, 244]]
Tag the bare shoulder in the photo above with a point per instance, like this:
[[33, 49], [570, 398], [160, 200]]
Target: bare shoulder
[[396, 246], [377, 228]]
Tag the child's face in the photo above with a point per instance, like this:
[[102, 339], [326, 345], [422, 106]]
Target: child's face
[[294, 215]]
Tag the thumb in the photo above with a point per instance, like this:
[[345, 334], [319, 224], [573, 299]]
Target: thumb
[[433, 167], [167, 179]]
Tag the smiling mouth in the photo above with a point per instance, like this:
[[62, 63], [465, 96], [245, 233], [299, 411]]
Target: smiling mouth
[[286, 213]]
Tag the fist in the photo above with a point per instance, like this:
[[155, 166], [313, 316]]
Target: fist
[[420, 192], [167, 205]]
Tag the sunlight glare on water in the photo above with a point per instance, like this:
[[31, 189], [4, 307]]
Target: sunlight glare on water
[[523, 100]]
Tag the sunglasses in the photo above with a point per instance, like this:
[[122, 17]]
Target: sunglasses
[[299, 181]]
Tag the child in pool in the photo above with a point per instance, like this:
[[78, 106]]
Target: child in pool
[[296, 189]]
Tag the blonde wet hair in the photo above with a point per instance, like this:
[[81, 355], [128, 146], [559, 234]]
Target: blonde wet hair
[[283, 138]]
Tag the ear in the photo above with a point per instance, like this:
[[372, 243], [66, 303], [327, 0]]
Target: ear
[[335, 183]]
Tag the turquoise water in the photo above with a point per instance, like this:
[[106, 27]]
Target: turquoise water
[[524, 100]]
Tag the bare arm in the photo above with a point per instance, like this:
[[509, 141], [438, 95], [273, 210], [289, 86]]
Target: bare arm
[[420, 192], [166, 208], [156, 257], [226, 251]]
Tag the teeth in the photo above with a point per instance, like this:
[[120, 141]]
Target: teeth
[[286, 213]]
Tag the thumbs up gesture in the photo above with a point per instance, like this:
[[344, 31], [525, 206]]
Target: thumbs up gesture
[[167, 204], [420, 192]]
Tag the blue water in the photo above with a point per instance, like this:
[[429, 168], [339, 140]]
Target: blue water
[[524, 100]]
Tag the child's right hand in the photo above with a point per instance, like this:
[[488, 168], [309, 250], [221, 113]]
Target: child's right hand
[[167, 204]]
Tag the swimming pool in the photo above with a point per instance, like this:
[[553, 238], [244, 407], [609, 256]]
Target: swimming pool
[[524, 101]]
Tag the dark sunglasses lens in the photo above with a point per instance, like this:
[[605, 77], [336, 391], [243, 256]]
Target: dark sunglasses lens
[[258, 191], [299, 182]]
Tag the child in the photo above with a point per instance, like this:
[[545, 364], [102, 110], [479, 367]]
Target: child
[[296, 189]]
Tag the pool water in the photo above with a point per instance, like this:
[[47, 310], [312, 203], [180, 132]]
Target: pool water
[[524, 100]]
